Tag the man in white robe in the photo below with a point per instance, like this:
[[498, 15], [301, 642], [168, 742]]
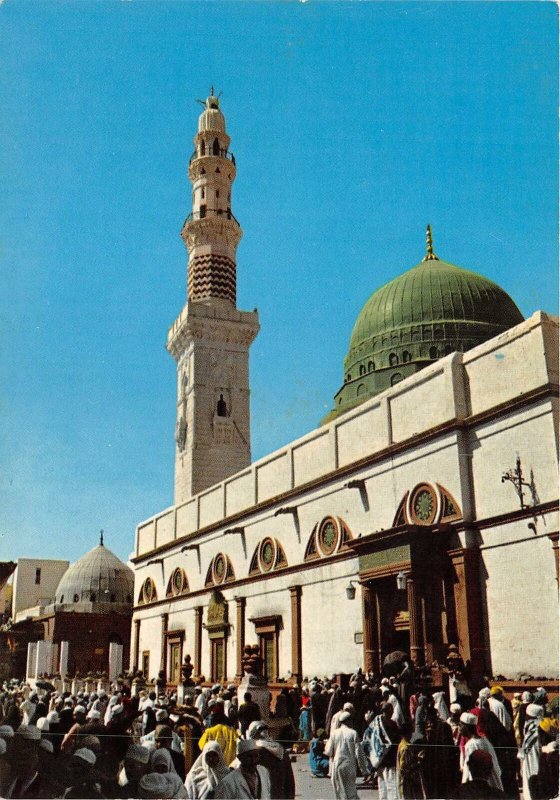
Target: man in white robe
[[497, 707], [249, 781], [345, 752], [476, 742]]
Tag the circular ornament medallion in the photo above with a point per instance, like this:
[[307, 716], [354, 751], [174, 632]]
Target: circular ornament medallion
[[328, 536], [423, 505], [267, 554], [219, 568]]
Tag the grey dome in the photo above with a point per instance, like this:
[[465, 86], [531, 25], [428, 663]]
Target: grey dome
[[97, 577]]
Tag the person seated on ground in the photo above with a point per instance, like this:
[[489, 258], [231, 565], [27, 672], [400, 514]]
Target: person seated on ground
[[274, 758], [206, 773], [318, 762], [480, 767], [248, 780]]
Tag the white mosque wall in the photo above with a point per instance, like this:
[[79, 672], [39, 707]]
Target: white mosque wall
[[34, 585], [519, 582]]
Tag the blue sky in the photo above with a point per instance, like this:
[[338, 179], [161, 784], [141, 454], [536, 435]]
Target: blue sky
[[353, 125]]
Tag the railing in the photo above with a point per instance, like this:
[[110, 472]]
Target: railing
[[219, 153], [211, 213]]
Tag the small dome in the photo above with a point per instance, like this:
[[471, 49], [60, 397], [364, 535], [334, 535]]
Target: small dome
[[97, 577], [212, 118]]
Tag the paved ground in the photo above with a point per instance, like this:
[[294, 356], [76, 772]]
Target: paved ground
[[310, 788]]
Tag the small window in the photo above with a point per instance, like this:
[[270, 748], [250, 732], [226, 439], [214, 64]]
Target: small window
[[38, 575], [217, 194], [202, 148], [92, 597], [62, 598], [112, 598], [348, 377], [393, 359], [396, 378], [218, 170], [221, 409], [370, 366], [76, 598], [406, 356], [433, 352], [362, 369], [202, 212], [216, 147], [202, 193]]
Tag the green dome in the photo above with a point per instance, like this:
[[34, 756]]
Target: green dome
[[430, 311], [435, 291]]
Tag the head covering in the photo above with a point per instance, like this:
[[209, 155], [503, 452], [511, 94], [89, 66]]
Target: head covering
[[348, 707], [94, 714], [245, 745], [344, 717], [255, 729], [496, 690], [6, 732], [468, 719], [527, 697], [29, 732], [44, 744], [162, 757], [43, 724], [138, 753], [202, 778], [535, 711], [484, 693], [454, 708], [53, 718], [161, 714], [85, 754], [161, 787], [80, 710]]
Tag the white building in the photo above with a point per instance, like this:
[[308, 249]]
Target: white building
[[34, 585], [438, 464]]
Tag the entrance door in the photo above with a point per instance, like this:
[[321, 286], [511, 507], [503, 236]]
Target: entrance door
[[175, 662]]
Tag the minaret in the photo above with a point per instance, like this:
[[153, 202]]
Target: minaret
[[210, 339]]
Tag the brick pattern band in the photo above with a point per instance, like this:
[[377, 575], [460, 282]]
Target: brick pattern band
[[212, 275]]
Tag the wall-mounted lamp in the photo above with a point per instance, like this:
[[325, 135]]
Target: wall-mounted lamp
[[350, 590], [401, 581]]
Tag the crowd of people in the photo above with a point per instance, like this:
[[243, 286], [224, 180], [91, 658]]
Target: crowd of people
[[358, 731]]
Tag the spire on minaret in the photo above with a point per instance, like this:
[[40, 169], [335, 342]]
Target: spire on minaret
[[101, 537], [430, 255]]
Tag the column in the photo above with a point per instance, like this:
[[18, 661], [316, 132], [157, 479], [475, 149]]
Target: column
[[297, 667], [136, 657], [40, 658], [369, 615], [240, 602], [554, 539], [164, 627], [31, 660], [63, 660], [416, 649], [115, 660], [198, 641], [468, 608]]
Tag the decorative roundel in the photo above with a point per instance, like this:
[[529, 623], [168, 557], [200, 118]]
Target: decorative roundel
[[267, 554], [219, 568], [328, 536], [423, 504]]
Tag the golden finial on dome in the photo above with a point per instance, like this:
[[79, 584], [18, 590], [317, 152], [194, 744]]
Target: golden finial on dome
[[430, 255]]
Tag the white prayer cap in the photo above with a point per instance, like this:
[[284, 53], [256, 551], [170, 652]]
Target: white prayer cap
[[80, 710], [53, 717], [138, 753], [3, 747], [535, 711], [348, 707], [6, 732], [85, 754], [94, 714], [345, 716], [385, 682], [161, 714], [245, 746], [468, 719], [158, 786], [102, 693], [43, 724], [485, 692], [116, 710], [454, 707], [46, 745], [29, 732], [255, 727]]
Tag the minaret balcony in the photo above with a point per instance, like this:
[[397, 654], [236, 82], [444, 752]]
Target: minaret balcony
[[218, 153], [209, 213]]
